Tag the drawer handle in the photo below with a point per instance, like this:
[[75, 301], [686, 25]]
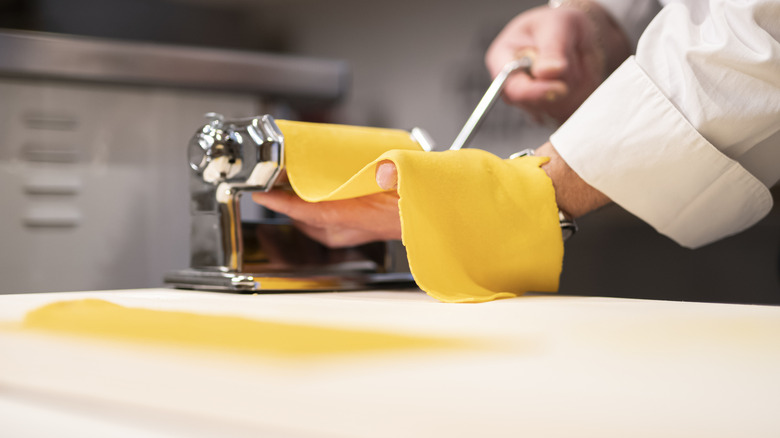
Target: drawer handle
[[50, 121], [43, 153], [52, 185], [52, 217]]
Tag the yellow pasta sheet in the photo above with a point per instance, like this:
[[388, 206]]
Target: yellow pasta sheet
[[476, 227], [230, 334]]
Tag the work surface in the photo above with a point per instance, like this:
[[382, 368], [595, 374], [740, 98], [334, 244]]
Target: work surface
[[536, 366]]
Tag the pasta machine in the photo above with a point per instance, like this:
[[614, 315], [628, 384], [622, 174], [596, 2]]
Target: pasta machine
[[230, 158]]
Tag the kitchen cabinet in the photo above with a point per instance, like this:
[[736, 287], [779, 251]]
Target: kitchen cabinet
[[95, 181]]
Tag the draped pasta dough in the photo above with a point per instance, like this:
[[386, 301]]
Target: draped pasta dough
[[476, 227]]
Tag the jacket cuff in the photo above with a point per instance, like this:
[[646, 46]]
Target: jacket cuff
[[632, 144]]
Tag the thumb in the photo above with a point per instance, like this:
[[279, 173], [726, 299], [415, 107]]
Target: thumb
[[387, 175]]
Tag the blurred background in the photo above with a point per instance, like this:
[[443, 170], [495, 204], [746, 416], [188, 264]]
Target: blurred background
[[94, 170]]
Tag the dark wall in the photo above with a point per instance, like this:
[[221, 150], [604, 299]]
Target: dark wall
[[616, 254]]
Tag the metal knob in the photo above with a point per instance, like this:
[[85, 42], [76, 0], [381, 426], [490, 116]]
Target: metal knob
[[215, 151], [246, 153]]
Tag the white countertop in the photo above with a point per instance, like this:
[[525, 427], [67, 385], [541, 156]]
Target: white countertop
[[551, 366]]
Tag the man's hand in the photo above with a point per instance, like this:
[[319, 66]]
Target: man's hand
[[576, 47], [375, 217], [348, 222]]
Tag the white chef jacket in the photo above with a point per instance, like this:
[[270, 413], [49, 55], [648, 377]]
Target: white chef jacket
[[686, 133]]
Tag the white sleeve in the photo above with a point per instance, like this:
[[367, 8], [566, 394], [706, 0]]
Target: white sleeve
[[665, 135], [632, 16]]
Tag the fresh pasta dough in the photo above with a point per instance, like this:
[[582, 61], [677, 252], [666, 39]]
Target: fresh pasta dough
[[232, 334], [476, 227]]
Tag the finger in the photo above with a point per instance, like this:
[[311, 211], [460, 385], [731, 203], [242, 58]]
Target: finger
[[291, 205], [545, 84], [387, 175], [499, 55], [333, 237], [555, 43], [276, 200], [521, 89]]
